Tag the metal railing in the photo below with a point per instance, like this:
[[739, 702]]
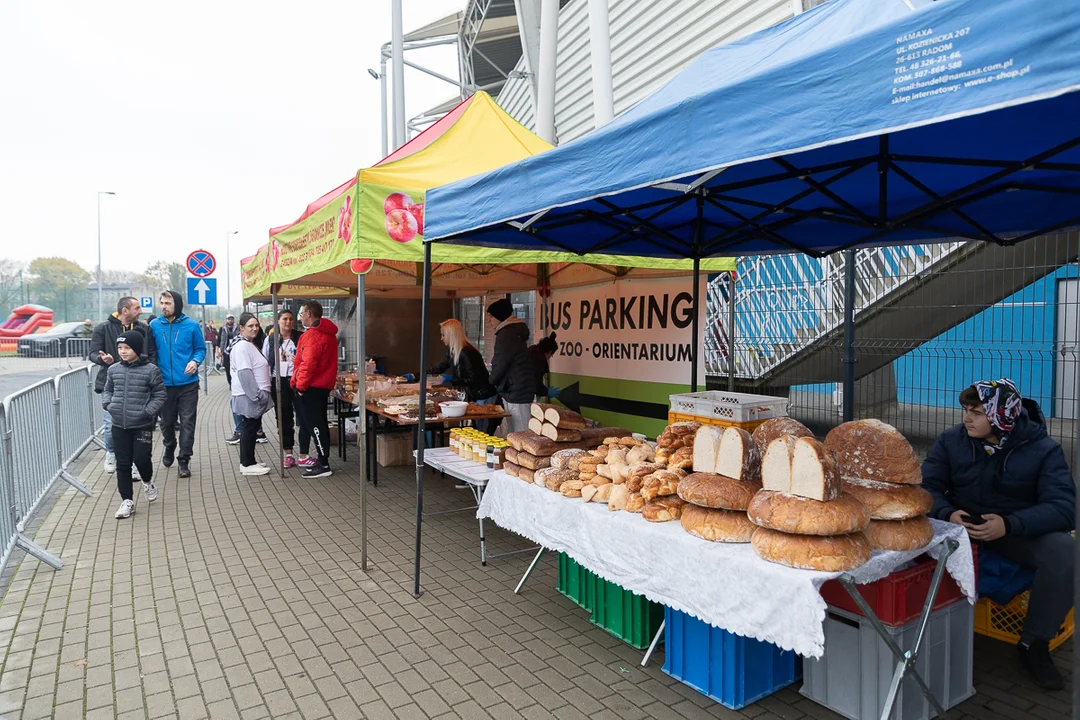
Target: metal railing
[[44, 428], [29, 354]]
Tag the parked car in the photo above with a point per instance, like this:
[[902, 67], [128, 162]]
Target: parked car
[[54, 342]]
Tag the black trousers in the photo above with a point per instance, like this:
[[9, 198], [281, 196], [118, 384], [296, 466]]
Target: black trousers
[[312, 408], [132, 445], [228, 372], [1052, 557], [290, 417], [181, 406], [249, 429]]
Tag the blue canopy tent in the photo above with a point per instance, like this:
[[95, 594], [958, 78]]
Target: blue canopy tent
[[860, 123]]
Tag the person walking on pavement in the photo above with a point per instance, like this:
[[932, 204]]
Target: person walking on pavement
[[134, 393], [180, 352], [314, 375], [103, 353], [260, 436], [226, 335], [283, 345], [250, 392], [511, 367]]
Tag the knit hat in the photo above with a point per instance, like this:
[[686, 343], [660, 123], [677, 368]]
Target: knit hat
[[133, 339], [501, 309]]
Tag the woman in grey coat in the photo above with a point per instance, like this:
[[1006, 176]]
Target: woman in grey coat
[[133, 396]]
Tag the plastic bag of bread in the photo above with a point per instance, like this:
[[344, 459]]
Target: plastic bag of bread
[[664, 509], [659, 484], [568, 459], [571, 488], [634, 502]]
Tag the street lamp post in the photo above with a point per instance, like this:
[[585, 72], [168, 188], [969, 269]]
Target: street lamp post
[[100, 299], [228, 270], [381, 77]]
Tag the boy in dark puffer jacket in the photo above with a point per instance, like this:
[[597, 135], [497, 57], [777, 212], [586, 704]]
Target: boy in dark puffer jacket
[[133, 396]]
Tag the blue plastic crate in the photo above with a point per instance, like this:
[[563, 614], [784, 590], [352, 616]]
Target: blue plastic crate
[[733, 670]]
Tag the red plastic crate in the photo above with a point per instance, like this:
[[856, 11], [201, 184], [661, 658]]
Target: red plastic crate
[[898, 598]]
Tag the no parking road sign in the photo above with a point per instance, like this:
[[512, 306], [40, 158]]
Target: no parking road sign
[[201, 264]]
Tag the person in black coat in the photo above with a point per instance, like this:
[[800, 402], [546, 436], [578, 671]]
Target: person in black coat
[[539, 354], [463, 365], [511, 368], [1004, 479]]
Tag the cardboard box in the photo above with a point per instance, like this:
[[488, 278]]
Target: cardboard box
[[394, 450]]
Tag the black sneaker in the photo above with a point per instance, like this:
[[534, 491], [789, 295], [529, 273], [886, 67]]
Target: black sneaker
[[1040, 666], [233, 439], [318, 471], [167, 458], [184, 472]]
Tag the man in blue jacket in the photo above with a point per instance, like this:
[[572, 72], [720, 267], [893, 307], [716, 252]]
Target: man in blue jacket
[[180, 351], [1004, 479]]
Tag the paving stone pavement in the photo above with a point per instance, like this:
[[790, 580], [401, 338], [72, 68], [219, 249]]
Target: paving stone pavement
[[244, 598]]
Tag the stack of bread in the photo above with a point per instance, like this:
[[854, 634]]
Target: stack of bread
[[677, 436], [879, 467], [727, 474], [804, 518], [559, 429]]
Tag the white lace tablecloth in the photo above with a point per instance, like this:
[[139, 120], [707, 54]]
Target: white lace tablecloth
[[726, 585]]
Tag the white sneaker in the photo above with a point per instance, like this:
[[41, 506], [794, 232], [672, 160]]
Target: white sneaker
[[135, 473], [255, 469], [126, 509], [149, 491], [110, 462]]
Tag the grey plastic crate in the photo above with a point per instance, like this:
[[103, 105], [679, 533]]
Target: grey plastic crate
[[853, 676]]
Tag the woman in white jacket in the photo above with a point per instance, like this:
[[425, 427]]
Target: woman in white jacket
[[283, 344], [250, 392]]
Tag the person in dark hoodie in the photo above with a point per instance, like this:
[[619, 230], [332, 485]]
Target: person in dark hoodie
[[511, 368], [103, 353], [180, 352], [314, 376], [1004, 479], [133, 395], [539, 354]]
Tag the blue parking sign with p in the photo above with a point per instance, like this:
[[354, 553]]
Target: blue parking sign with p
[[146, 303]]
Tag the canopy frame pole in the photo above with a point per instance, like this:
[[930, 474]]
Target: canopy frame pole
[[850, 257], [420, 436], [277, 380], [734, 277], [361, 428], [695, 331], [398, 65]]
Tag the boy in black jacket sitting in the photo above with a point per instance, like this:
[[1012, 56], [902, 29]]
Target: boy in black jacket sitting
[[1004, 479], [133, 396]]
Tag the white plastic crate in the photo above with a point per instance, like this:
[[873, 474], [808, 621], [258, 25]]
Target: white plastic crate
[[853, 676], [723, 405]]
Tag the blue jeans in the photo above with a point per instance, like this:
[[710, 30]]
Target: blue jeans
[[106, 423]]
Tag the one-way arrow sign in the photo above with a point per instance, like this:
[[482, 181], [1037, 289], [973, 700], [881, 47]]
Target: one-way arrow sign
[[572, 397], [201, 291]]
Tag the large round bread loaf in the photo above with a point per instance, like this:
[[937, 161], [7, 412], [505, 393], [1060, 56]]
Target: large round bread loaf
[[889, 501], [873, 450], [831, 554], [910, 534], [803, 516], [773, 428], [717, 525], [710, 490]]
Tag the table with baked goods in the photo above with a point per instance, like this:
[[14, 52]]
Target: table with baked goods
[[723, 584]]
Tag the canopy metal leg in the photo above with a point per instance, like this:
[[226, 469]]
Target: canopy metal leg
[[905, 661], [420, 434], [653, 644], [528, 572]]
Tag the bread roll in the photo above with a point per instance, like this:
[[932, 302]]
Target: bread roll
[[738, 456], [773, 428], [717, 491], [659, 484], [537, 410], [552, 478], [776, 464], [595, 435], [641, 453], [873, 450], [814, 472], [663, 509], [837, 553], [683, 459], [557, 434], [803, 516], [596, 493], [536, 426], [563, 418], [510, 469], [706, 448], [678, 435], [532, 462], [617, 497], [663, 455], [571, 488], [510, 455], [911, 534], [888, 501], [568, 459], [634, 502], [717, 525]]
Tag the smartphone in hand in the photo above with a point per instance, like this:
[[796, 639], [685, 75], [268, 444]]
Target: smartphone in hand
[[974, 519]]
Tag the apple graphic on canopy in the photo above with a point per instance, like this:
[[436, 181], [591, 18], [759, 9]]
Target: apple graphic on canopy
[[360, 265], [417, 211], [396, 201], [400, 225]]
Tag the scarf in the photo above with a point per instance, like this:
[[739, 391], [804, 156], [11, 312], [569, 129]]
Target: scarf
[[1001, 402]]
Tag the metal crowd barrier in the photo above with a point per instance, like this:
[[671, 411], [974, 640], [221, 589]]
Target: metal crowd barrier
[[44, 428]]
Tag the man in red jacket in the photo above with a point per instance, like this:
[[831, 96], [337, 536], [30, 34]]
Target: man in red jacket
[[314, 375]]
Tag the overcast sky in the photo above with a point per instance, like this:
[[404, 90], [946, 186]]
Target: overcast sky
[[203, 117]]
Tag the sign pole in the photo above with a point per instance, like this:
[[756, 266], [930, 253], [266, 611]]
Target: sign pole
[[208, 360]]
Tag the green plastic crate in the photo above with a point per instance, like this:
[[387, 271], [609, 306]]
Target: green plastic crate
[[626, 615], [573, 580]]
